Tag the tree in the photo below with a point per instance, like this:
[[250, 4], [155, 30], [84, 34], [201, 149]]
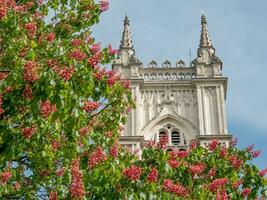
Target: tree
[[61, 115], [60, 111]]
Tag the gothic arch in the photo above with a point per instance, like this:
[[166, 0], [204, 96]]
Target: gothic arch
[[184, 125]]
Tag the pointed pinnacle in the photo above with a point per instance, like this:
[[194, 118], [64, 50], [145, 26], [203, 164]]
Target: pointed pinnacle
[[205, 40], [126, 40]]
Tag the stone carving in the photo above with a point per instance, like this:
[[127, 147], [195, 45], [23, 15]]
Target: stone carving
[[166, 64], [180, 63], [153, 64]]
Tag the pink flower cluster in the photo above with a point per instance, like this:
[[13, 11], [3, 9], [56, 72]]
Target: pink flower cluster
[[28, 132], [55, 144], [111, 50], [30, 72], [126, 84], [78, 55], [197, 168], [213, 145], [90, 106], [212, 172], [176, 189], [96, 157], [104, 5], [114, 150], [95, 48], [133, 173], [5, 176], [64, 72], [95, 59], [4, 6], [221, 194], [60, 171], [3, 75], [53, 195], [77, 186], [214, 185], [223, 152], [246, 192], [76, 42], [27, 92], [173, 163], [152, 177], [50, 37], [31, 28], [235, 162], [263, 172], [47, 109], [16, 186]]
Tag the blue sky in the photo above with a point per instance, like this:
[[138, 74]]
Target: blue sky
[[238, 28]]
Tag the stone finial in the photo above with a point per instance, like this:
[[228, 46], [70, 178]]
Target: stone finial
[[205, 40], [126, 40]]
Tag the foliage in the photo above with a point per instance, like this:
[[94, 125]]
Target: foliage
[[61, 114]]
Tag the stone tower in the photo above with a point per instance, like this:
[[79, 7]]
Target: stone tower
[[186, 102]]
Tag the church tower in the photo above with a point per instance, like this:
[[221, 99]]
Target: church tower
[[185, 102]]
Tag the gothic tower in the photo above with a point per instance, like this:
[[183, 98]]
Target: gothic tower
[[186, 102]]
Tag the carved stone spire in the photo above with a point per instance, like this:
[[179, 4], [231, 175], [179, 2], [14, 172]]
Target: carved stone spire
[[205, 40], [126, 40]]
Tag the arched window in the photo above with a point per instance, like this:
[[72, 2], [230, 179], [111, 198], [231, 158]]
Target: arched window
[[175, 136]]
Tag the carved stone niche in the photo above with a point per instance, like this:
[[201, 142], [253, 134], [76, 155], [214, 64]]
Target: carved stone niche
[[152, 64], [166, 64], [180, 63]]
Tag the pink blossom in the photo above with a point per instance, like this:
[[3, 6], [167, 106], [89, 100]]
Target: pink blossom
[[197, 168], [50, 37], [77, 186], [3, 12], [182, 154], [193, 144], [126, 83], [173, 163], [221, 194], [212, 172], [114, 150], [55, 144], [3, 75], [255, 154], [152, 177], [76, 42], [133, 173], [30, 73], [27, 92], [214, 185], [96, 157], [223, 152], [235, 162], [5, 176], [213, 145], [53, 195], [250, 148], [111, 50], [263, 172], [90, 106], [47, 109], [95, 59], [78, 55], [246, 192], [28, 132], [31, 27], [104, 5], [177, 188], [95, 48], [16, 186]]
